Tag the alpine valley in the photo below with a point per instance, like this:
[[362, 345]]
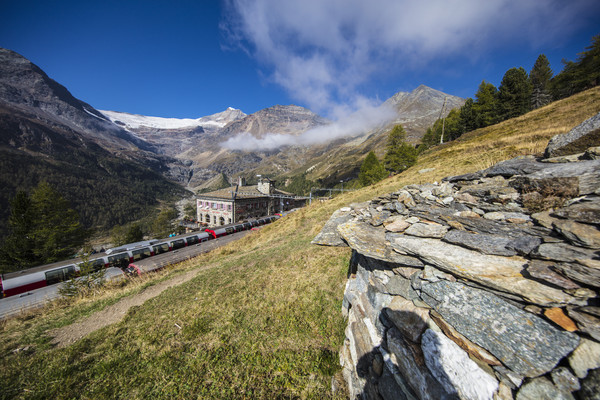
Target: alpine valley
[[116, 167]]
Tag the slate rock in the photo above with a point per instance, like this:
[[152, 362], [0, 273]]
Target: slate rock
[[585, 357], [484, 243], [453, 368], [578, 139], [562, 252], [501, 228], [371, 242], [587, 211], [465, 177], [508, 377], [578, 234], [586, 322], [427, 230], [524, 245], [543, 270], [496, 272], [329, 235], [542, 389], [473, 349], [524, 342], [522, 165], [590, 386], [411, 364], [411, 321], [586, 172], [396, 224], [405, 198], [557, 315], [379, 217], [564, 380], [388, 388], [580, 273]]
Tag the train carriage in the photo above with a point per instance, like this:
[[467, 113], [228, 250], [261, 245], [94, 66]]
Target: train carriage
[[116, 259]]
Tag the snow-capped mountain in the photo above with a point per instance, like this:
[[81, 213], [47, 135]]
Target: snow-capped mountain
[[133, 122]]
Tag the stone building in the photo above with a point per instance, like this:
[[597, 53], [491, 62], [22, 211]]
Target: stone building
[[240, 202]]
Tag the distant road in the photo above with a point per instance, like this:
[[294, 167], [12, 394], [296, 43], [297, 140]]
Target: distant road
[[36, 298]]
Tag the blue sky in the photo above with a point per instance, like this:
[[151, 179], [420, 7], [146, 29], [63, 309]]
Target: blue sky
[[189, 59]]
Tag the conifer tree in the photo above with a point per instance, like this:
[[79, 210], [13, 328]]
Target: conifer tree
[[58, 233], [579, 75], [399, 155], [371, 170], [17, 250], [43, 229], [467, 120], [485, 108], [540, 76], [514, 94]]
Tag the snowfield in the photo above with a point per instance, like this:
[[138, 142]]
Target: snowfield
[[134, 121]]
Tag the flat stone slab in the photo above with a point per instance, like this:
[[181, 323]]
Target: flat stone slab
[[371, 242], [501, 273], [587, 172], [525, 343], [453, 368], [329, 235], [487, 244], [576, 140], [586, 211]]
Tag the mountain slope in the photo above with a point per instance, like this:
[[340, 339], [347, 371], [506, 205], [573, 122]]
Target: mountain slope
[[270, 299], [338, 159], [109, 175]]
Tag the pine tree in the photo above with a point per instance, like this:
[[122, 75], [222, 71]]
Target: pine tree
[[514, 94], [540, 76], [371, 170]]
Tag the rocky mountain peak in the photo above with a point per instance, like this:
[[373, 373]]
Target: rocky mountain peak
[[290, 119]]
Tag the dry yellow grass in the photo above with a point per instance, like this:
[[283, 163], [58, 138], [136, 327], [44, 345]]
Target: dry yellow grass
[[264, 320]]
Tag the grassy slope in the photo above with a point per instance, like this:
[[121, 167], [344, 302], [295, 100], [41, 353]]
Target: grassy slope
[[263, 321]]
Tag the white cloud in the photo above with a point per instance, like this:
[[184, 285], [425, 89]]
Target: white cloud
[[356, 123], [324, 51], [321, 51]]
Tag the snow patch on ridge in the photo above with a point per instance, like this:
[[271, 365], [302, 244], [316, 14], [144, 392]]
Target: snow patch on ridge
[[135, 121]]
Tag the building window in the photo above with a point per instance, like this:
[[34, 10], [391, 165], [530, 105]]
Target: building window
[[214, 206]]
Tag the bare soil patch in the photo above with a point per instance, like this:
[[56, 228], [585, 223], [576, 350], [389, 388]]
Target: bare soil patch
[[69, 334]]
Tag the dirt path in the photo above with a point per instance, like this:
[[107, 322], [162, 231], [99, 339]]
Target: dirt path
[[71, 333]]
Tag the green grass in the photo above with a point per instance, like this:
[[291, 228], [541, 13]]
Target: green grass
[[262, 317]]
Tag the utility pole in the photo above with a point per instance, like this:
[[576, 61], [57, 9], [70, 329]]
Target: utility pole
[[443, 121]]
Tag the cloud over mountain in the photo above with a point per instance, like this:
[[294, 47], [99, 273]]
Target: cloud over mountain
[[323, 51]]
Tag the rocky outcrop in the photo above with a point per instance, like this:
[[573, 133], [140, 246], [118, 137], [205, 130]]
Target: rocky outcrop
[[484, 286], [577, 140]]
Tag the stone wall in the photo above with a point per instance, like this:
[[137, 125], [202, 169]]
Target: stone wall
[[484, 286]]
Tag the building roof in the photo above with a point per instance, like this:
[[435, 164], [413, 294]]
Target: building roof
[[243, 192]]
